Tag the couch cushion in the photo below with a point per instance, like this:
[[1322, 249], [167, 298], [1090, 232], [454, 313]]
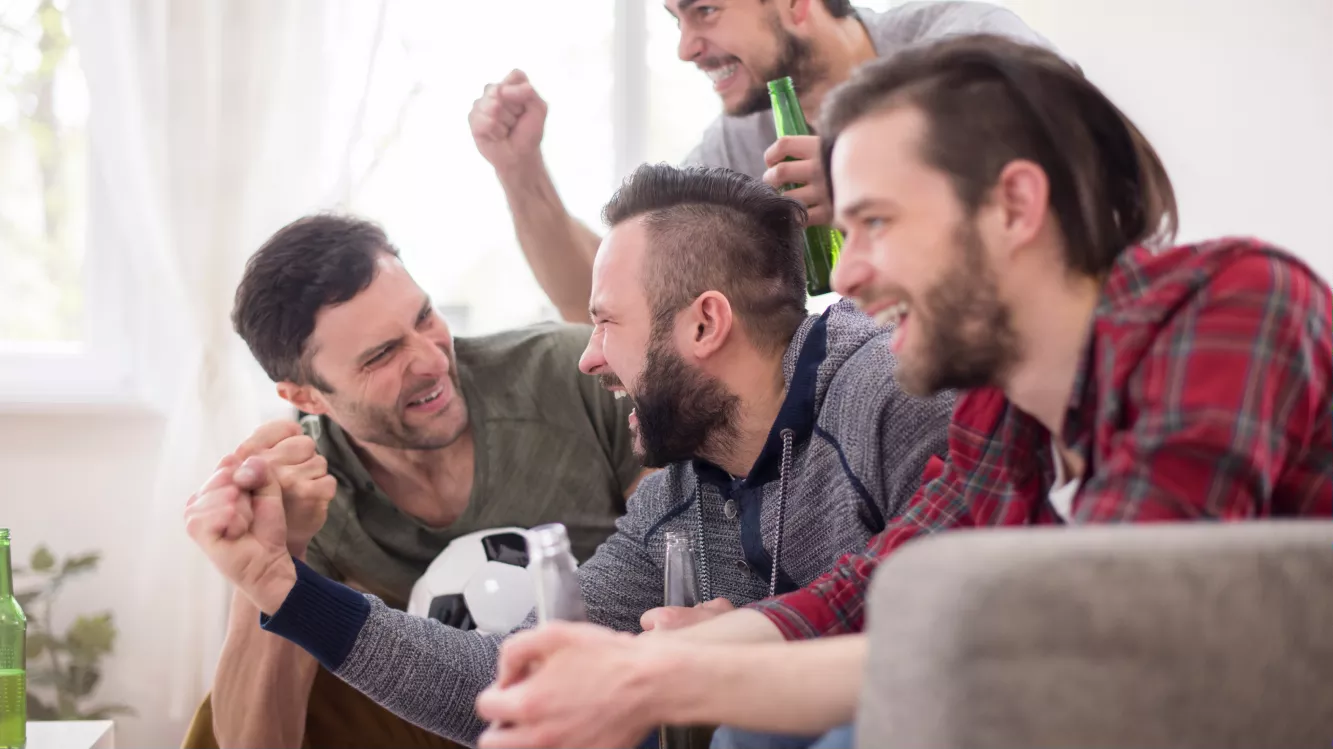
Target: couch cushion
[[1172, 635]]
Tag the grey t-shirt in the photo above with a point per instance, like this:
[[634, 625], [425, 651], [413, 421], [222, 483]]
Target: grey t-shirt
[[738, 143], [551, 446]]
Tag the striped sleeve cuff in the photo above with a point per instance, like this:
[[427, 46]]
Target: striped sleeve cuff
[[796, 614], [323, 617]]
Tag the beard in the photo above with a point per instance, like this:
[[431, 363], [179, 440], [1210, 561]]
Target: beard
[[794, 59], [682, 412], [966, 332], [386, 426]]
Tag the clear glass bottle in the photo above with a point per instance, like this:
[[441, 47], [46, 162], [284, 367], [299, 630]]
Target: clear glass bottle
[[680, 587], [555, 573]]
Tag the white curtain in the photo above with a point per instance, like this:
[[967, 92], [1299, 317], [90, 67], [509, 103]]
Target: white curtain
[[212, 124]]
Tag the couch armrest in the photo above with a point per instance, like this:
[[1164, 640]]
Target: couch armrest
[[1170, 635]]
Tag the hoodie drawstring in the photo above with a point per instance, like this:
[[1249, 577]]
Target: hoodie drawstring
[[705, 586], [787, 436]]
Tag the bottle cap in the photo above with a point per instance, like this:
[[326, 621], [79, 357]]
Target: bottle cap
[[551, 537]]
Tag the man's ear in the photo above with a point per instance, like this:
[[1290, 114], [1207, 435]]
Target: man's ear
[[304, 397], [1022, 195], [711, 321], [800, 10]]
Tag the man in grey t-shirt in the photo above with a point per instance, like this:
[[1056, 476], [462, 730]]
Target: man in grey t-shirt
[[740, 45]]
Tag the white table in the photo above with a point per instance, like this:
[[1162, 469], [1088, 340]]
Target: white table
[[71, 734]]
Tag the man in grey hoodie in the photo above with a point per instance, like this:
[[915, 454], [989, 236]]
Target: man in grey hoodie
[[785, 441]]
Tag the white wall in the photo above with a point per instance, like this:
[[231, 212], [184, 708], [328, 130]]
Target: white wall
[[65, 477], [1237, 96]]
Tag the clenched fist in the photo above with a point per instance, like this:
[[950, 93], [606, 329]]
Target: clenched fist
[[237, 519], [303, 474], [507, 122]]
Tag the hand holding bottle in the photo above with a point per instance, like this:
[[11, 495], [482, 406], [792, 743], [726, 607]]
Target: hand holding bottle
[[507, 123], [669, 618], [237, 519], [794, 160]]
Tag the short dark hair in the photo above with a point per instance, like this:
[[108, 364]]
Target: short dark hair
[[839, 8], [715, 229], [312, 263], [990, 100]]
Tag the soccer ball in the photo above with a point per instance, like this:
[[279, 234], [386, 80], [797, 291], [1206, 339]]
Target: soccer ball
[[480, 581]]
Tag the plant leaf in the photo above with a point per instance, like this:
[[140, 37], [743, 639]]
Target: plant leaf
[[83, 679], [38, 643], [91, 637], [42, 559], [81, 563], [38, 710]]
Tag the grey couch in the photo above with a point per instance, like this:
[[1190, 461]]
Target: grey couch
[[1168, 635]]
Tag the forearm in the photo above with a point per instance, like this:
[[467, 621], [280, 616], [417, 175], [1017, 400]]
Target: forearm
[[262, 686], [421, 670], [740, 626], [558, 248], [802, 688]]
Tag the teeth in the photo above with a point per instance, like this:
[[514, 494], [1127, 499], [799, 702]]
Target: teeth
[[620, 394], [428, 398], [892, 315], [718, 74]]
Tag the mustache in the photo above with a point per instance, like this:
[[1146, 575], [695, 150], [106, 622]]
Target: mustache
[[609, 381]]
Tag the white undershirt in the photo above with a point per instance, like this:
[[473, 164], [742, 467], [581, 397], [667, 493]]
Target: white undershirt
[[1064, 489]]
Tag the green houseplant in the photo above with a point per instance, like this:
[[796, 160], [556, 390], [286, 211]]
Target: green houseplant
[[64, 669]]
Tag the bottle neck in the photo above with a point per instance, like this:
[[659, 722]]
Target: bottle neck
[[6, 572]]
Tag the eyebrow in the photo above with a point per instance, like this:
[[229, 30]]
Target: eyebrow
[[683, 6], [384, 345]]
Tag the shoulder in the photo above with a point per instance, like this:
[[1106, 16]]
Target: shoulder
[[923, 22], [662, 492], [1251, 280], [543, 342], [735, 143], [865, 363]]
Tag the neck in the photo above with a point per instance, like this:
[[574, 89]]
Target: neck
[[760, 399], [6, 572], [1051, 321], [431, 485], [839, 46]]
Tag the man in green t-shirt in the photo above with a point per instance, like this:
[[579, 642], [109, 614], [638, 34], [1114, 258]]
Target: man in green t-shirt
[[411, 438]]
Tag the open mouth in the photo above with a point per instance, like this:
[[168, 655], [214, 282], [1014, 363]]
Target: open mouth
[[434, 400], [722, 76], [894, 314]]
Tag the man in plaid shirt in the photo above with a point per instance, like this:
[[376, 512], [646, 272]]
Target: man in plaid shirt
[[998, 210]]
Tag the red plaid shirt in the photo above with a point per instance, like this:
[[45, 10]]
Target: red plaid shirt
[[1204, 394]]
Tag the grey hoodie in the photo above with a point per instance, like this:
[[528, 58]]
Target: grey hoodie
[[850, 444]]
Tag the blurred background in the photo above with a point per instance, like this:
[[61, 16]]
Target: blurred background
[[147, 147]]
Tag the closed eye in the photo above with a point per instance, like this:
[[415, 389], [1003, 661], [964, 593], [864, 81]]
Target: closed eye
[[381, 356]]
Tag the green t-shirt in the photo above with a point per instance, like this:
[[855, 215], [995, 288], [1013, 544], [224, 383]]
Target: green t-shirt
[[551, 446]]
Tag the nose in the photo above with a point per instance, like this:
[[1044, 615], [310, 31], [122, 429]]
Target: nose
[[690, 45], [428, 358], [592, 362], [853, 271]]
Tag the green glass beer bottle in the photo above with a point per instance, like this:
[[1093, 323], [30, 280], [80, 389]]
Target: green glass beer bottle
[[13, 631], [822, 243]]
